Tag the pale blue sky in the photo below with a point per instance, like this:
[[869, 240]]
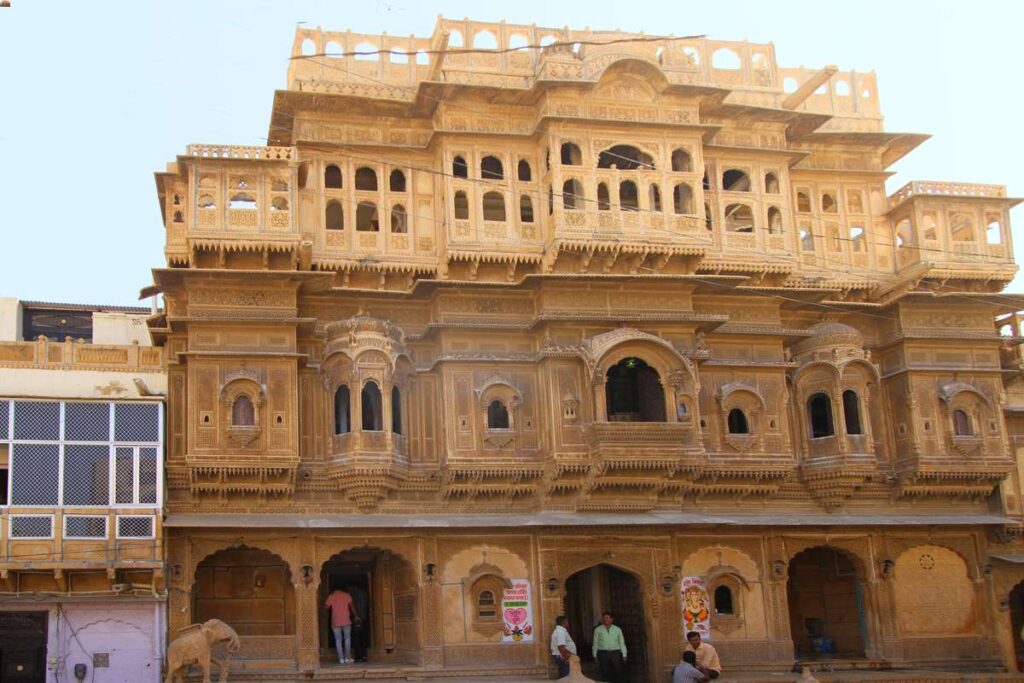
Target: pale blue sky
[[96, 96]]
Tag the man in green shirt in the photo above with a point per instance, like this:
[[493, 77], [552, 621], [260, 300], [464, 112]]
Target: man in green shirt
[[610, 649]]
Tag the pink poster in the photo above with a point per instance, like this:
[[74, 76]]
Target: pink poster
[[696, 606], [517, 613]]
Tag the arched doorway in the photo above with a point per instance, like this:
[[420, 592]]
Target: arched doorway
[[826, 607], [633, 392], [248, 588], [604, 588], [1017, 622], [385, 592]]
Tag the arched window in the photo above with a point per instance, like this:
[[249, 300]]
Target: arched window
[[828, 203], [396, 183], [739, 218], [279, 204], [342, 410], [572, 194], [851, 412], [396, 410], [737, 422], [459, 167], [491, 168], [603, 202], [706, 181], [366, 179], [961, 226], [455, 39], [819, 414], [243, 413], [332, 177], [994, 230], [367, 219], [654, 197], [628, 197], [962, 423], [494, 206], [485, 40], [179, 217], [708, 221], [242, 200], [461, 206], [735, 180], [806, 239], [625, 158], [681, 161], [682, 199], [372, 411], [633, 392], [334, 215], [723, 600], [524, 173], [303, 175], [497, 415], [571, 154], [774, 220], [486, 605], [803, 201], [771, 183], [525, 209], [399, 226]]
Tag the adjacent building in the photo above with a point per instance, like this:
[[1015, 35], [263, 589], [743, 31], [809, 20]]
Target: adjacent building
[[509, 322], [81, 486]]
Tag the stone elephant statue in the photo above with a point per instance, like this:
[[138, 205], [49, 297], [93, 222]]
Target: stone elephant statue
[[194, 645]]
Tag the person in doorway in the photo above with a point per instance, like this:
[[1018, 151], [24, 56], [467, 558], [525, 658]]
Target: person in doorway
[[562, 647], [610, 649], [687, 671], [707, 656], [360, 627], [343, 613]]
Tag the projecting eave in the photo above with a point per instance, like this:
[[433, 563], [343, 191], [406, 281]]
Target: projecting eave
[[288, 103], [1004, 303], [171, 279], [894, 146], [798, 124]]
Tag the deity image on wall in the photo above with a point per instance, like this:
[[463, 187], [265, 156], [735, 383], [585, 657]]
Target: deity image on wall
[[517, 613], [696, 613]]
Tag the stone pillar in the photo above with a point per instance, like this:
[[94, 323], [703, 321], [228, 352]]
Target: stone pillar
[[431, 615], [306, 582], [780, 637]]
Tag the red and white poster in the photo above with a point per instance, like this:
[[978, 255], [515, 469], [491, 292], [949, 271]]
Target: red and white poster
[[517, 613], [696, 606]]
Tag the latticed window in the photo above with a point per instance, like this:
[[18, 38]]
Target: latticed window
[[77, 453], [135, 526], [243, 413], [31, 526], [85, 526]]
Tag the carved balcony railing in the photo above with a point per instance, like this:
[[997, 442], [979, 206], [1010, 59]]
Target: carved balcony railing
[[70, 354], [250, 152], [938, 188]]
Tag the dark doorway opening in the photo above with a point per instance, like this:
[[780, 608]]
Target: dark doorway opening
[[23, 647], [826, 606], [603, 588], [1017, 621], [633, 392], [388, 606]]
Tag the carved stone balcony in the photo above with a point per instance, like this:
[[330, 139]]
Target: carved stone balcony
[[644, 445]]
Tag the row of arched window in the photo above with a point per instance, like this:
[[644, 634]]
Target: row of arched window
[[491, 168], [493, 206], [574, 198], [367, 217], [371, 409], [366, 179], [625, 158]]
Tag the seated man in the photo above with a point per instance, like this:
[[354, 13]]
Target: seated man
[[707, 656], [687, 671]]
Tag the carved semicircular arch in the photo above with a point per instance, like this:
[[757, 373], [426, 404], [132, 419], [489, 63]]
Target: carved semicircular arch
[[948, 392], [633, 69], [605, 350], [730, 389], [243, 381]]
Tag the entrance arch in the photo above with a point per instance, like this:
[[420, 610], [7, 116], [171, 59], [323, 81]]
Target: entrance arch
[[826, 605], [248, 588], [605, 588], [1017, 622], [389, 606]]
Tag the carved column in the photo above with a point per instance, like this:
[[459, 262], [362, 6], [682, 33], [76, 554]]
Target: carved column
[[780, 637], [431, 616], [307, 636], [891, 647], [181, 582]]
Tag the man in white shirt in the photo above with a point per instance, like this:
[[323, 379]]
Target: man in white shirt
[[687, 671], [562, 647]]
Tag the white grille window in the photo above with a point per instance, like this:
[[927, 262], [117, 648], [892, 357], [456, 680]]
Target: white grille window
[[87, 422], [85, 526], [137, 422], [86, 475], [5, 417], [31, 526], [37, 420], [135, 526], [124, 478], [147, 476], [35, 474], [79, 453]]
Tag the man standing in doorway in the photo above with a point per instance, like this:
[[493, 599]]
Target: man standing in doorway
[[707, 656], [610, 649], [562, 647], [342, 615], [360, 628]]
